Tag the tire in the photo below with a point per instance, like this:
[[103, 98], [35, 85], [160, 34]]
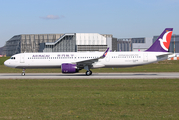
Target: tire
[[23, 74], [88, 73]]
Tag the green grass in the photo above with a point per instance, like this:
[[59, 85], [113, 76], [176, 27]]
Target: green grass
[[2, 59], [89, 99], [163, 66]]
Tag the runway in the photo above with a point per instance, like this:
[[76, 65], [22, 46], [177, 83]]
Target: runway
[[167, 75]]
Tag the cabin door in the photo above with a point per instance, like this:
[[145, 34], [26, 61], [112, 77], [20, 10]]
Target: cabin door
[[22, 59], [145, 56]]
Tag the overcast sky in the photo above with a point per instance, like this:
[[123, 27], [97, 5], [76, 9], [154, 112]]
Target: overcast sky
[[122, 18]]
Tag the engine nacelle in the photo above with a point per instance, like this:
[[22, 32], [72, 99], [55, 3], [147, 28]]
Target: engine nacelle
[[69, 68]]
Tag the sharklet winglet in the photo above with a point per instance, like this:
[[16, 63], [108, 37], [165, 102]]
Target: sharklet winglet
[[105, 53]]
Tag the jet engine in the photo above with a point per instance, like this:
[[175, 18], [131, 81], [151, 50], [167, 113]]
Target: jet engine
[[69, 68]]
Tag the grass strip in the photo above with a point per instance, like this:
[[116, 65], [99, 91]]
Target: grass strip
[[89, 99]]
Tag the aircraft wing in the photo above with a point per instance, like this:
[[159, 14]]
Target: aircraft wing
[[89, 62]]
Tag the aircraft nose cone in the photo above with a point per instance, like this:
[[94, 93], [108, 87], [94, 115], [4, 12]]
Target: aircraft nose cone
[[6, 63]]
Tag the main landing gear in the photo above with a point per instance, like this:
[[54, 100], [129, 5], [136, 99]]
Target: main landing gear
[[23, 72], [89, 72]]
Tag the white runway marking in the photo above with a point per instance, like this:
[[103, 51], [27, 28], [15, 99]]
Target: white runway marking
[[167, 75]]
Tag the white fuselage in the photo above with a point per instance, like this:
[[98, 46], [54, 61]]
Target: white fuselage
[[113, 59]]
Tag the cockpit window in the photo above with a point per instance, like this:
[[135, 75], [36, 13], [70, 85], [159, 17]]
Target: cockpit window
[[13, 58]]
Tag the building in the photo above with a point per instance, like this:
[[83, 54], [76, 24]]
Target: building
[[133, 44], [28, 43], [124, 44], [2, 51], [143, 45], [71, 42], [79, 42]]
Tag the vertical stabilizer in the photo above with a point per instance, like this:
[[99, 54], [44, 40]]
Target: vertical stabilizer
[[163, 41]]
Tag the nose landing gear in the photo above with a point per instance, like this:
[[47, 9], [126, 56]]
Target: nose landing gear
[[23, 72]]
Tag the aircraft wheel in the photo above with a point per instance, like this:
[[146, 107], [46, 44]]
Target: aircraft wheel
[[88, 72], [23, 74]]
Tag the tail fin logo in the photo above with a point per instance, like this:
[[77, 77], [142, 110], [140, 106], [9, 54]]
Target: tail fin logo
[[105, 53], [165, 41]]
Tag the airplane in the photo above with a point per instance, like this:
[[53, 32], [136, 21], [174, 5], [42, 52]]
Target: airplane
[[73, 62]]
